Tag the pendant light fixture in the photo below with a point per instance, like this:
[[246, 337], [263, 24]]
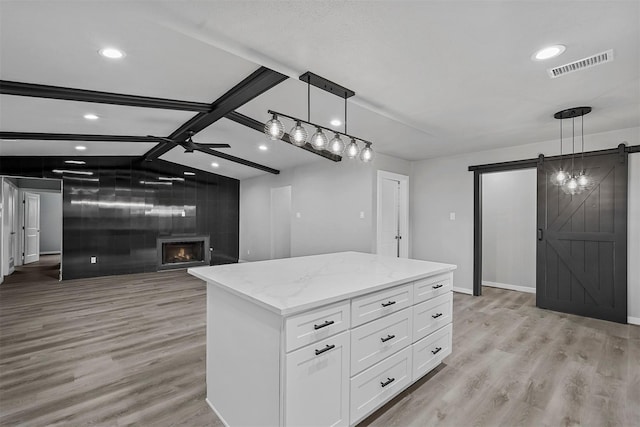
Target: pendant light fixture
[[573, 182], [274, 128]]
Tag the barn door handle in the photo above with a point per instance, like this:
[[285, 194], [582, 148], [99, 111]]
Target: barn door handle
[[539, 233]]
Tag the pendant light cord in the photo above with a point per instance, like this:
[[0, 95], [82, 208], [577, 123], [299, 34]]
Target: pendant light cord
[[345, 115], [309, 100], [573, 142], [582, 136]]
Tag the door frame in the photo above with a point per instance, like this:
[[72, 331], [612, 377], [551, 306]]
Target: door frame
[[478, 170], [403, 210]]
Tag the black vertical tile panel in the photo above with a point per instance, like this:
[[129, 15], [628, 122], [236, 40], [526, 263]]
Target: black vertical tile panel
[[117, 213]]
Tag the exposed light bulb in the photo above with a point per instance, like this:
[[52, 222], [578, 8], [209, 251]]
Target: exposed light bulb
[[572, 184], [352, 149], [298, 135], [319, 140], [561, 176], [336, 145], [274, 128], [583, 180], [366, 155]]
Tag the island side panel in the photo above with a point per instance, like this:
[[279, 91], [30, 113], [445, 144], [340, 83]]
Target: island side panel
[[243, 360]]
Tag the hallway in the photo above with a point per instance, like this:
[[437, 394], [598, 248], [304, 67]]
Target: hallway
[[47, 269]]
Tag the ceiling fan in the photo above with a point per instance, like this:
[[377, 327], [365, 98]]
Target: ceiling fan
[[189, 145]]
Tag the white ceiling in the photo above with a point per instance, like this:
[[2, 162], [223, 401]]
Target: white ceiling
[[431, 78]]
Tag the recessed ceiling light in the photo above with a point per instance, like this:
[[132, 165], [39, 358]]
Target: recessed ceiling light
[[215, 165], [75, 162], [187, 173], [90, 116], [63, 171], [263, 147], [548, 52], [111, 53], [335, 122], [80, 147]]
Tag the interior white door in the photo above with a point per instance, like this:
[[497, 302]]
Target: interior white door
[[389, 220], [31, 227], [10, 227]]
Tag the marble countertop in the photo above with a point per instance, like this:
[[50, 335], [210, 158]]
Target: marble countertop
[[291, 285]]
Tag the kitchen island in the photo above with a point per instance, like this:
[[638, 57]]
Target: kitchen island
[[321, 340]]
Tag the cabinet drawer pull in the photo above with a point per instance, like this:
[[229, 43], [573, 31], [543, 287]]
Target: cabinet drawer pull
[[325, 324], [387, 382], [432, 351], [388, 337], [387, 304], [438, 286], [435, 316], [327, 348]]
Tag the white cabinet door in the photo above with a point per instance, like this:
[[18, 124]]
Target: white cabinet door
[[317, 384]]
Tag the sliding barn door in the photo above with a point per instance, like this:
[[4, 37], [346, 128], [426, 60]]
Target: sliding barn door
[[582, 241]]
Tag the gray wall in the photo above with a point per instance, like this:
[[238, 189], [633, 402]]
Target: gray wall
[[509, 229], [50, 221], [328, 197], [443, 185]]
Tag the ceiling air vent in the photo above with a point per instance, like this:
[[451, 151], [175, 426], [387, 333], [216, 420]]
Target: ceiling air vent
[[581, 64]]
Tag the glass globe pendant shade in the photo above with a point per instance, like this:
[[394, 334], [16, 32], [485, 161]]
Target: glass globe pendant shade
[[336, 145], [366, 155], [571, 186], [559, 177], [274, 128], [319, 140], [352, 149], [298, 135], [583, 180]]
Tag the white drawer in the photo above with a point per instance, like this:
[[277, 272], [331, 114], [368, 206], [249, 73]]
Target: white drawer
[[431, 315], [309, 327], [378, 304], [378, 384], [429, 352], [372, 342], [431, 287]]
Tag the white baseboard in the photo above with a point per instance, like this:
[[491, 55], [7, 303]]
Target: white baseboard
[[463, 290], [242, 260], [633, 320], [509, 287], [50, 253], [216, 411]]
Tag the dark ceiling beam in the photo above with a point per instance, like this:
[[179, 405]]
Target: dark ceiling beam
[[259, 126], [252, 86], [71, 94], [36, 136]]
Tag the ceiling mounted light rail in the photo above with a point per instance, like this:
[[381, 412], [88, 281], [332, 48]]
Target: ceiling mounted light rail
[[572, 181], [274, 128]]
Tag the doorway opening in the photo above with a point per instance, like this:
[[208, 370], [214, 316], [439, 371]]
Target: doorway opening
[[392, 236], [509, 230], [31, 232]]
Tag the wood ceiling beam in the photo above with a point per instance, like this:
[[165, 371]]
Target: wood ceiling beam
[[37, 136], [252, 86], [259, 126], [72, 94]]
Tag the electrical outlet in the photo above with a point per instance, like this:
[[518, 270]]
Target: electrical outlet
[[94, 260], [361, 214], [298, 215], [248, 252], [452, 216]]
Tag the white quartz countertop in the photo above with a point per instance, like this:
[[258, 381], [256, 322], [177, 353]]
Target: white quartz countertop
[[291, 285]]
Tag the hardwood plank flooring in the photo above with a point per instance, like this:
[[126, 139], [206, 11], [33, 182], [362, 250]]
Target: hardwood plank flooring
[[130, 350]]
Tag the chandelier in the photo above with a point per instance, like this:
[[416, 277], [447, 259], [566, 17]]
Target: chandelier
[[571, 180], [299, 136]]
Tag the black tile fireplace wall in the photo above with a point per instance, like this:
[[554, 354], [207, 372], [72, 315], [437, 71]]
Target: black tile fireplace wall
[[117, 213]]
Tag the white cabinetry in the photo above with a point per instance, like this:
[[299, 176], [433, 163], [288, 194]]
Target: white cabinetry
[[302, 351]]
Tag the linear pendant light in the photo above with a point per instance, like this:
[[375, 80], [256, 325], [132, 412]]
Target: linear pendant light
[[274, 128]]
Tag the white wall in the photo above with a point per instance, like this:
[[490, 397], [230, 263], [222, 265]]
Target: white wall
[[329, 198], [509, 229], [443, 185]]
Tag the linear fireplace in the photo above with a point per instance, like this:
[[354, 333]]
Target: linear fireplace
[[183, 251]]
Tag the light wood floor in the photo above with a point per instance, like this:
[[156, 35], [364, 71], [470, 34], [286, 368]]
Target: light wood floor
[[130, 350]]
